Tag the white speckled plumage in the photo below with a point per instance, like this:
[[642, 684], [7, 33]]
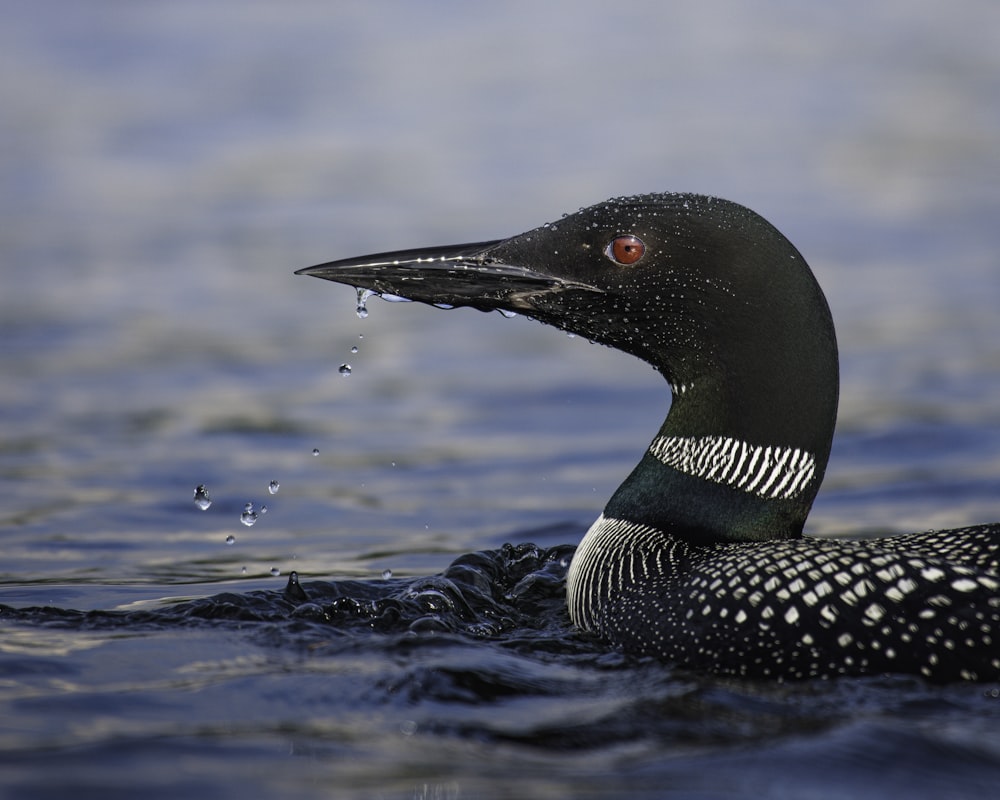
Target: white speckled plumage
[[801, 608]]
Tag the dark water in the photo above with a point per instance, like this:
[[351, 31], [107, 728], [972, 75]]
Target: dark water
[[165, 168]]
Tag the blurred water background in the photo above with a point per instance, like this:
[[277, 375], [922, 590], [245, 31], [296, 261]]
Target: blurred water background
[[166, 166]]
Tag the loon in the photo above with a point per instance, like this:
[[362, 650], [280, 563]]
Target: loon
[[699, 558]]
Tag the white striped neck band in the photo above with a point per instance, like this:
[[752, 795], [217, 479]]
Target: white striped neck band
[[774, 473]]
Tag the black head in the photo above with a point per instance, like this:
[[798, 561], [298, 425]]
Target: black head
[[705, 290]]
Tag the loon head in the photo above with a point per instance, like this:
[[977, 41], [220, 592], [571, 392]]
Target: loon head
[[714, 298]]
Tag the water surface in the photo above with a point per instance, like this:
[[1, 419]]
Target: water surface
[[166, 167]]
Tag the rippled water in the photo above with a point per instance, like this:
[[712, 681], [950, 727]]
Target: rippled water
[[166, 167]]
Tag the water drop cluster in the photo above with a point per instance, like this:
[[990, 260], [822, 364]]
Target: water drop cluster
[[249, 515]]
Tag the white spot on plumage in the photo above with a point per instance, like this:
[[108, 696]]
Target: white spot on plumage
[[893, 593]]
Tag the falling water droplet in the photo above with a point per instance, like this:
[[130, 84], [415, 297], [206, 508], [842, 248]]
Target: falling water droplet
[[362, 309], [386, 574], [249, 516], [315, 451], [263, 509], [230, 539], [275, 572], [344, 369], [273, 487], [354, 349], [243, 571], [201, 498]]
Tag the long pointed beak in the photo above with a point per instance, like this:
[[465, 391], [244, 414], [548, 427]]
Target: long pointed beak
[[453, 275]]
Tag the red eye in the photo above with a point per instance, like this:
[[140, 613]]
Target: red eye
[[625, 249]]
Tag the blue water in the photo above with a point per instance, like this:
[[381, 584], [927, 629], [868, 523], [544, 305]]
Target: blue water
[[164, 169]]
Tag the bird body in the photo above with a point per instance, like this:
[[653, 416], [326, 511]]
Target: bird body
[[699, 557]]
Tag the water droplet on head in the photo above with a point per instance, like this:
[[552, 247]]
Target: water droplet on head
[[230, 539], [344, 369], [273, 487], [386, 574], [201, 498]]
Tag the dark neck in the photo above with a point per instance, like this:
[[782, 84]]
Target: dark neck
[[701, 511], [742, 453]]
